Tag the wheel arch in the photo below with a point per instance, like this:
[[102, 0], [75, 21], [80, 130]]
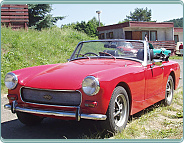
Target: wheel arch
[[174, 78], [127, 88]]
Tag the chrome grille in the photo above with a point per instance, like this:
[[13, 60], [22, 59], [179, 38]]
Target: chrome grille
[[51, 97]]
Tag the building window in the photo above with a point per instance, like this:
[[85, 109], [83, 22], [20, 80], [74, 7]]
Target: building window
[[145, 33], [176, 39], [102, 36], [111, 35], [128, 35], [153, 35], [107, 35]]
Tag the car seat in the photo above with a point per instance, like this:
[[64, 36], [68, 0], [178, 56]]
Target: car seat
[[112, 52], [140, 54]]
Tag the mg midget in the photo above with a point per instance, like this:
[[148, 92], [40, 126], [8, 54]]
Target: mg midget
[[101, 81]]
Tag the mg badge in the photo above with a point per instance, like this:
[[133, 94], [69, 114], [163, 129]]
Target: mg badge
[[47, 97]]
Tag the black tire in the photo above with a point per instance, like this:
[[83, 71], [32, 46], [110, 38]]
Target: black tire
[[169, 91], [118, 111], [29, 119]]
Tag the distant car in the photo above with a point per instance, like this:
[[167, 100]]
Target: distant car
[[179, 48], [126, 48], [99, 82]]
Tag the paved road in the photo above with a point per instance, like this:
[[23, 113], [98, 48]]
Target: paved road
[[11, 128]]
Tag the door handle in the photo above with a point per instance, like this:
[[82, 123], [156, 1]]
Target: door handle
[[162, 66]]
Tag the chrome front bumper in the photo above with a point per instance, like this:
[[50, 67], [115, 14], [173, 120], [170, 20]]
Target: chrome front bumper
[[14, 108]]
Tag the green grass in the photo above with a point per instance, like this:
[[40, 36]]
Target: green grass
[[157, 122], [177, 57], [21, 48]]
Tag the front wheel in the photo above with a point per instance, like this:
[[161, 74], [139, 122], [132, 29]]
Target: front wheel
[[118, 110], [29, 119], [169, 92]]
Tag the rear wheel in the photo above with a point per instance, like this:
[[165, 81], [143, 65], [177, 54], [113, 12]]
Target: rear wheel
[[118, 110], [29, 119], [169, 91]]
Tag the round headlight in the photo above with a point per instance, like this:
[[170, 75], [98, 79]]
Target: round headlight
[[11, 80], [90, 85]]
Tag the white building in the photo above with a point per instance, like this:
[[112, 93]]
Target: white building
[[160, 34]]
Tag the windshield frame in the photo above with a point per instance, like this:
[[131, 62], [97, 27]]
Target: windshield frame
[[145, 43]]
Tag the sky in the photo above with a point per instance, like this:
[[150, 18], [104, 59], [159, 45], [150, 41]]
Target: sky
[[113, 13]]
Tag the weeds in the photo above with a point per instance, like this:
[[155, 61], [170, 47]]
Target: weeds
[[157, 121], [20, 49]]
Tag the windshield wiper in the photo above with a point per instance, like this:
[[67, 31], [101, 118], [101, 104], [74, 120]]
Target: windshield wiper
[[83, 55], [107, 54]]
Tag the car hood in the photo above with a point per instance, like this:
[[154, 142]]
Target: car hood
[[67, 76]]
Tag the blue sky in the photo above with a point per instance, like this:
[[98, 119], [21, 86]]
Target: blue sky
[[113, 13]]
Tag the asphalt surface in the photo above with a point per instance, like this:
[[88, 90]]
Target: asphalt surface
[[11, 128]]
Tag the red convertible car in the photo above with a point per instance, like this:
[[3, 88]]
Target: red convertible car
[[100, 82]]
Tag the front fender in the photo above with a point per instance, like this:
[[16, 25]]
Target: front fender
[[133, 76]]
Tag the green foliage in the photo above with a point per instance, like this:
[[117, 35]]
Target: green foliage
[[39, 16], [90, 28], [20, 49], [139, 14], [125, 20], [177, 22]]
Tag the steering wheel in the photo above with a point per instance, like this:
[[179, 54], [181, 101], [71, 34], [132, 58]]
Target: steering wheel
[[91, 53]]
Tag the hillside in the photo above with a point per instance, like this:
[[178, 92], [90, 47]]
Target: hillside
[[20, 49], [177, 22]]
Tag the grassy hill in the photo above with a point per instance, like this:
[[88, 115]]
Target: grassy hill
[[21, 48], [177, 22]]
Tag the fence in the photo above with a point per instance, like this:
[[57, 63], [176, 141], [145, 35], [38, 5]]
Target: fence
[[14, 16]]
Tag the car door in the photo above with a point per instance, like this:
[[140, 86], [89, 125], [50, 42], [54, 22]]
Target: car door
[[154, 79]]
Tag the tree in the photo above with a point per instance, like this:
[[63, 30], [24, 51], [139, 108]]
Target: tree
[[139, 14], [177, 22], [40, 17], [90, 28], [80, 26]]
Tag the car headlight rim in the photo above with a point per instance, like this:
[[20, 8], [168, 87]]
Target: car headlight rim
[[11, 80], [93, 88]]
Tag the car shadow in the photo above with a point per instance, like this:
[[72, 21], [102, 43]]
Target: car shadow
[[60, 129], [54, 129], [147, 110]]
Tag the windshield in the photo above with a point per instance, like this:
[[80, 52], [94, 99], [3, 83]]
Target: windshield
[[109, 49]]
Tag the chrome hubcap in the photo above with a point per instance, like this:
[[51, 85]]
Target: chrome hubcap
[[120, 110]]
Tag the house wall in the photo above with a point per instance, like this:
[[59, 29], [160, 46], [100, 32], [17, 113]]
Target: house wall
[[169, 34], [117, 33], [180, 36], [163, 34]]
